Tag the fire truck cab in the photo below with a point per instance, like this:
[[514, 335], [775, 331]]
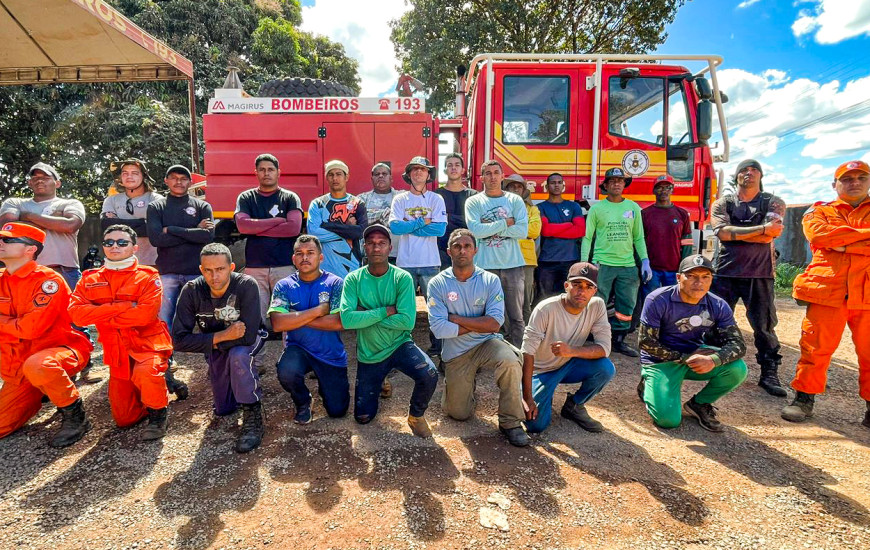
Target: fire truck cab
[[578, 115]]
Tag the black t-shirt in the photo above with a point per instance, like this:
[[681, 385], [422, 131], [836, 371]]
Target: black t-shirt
[[454, 204], [268, 251], [738, 258]]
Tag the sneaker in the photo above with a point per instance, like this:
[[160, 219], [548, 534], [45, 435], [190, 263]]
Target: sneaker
[[577, 413], [800, 409], [516, 436], [419, 426], [386, 389], [705, 413], [303, 415]]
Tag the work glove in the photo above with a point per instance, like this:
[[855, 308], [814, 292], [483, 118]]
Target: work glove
[[645, 270]]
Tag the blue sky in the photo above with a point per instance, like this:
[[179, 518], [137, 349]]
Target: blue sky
[[786, 65]]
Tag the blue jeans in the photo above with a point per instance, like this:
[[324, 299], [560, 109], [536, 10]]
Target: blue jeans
[[172, 283], [233, 378], [408, 359], [659, 279], [421, 277], [332, 384], [592, 374]]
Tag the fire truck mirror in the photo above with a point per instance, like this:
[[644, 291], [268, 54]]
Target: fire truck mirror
[[705, 121], [627, 74], [704, 89]]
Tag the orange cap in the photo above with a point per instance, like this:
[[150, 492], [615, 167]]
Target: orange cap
[[859, 165], [18, 230]]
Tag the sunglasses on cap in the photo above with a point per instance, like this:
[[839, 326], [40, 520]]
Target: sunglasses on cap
[[109, 243], [16, 240]]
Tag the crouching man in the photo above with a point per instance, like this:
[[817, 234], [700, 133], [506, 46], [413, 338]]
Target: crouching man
[[122, 299], [556, 351], [218, 314], [466, 309], [39, 349], [687, 333]]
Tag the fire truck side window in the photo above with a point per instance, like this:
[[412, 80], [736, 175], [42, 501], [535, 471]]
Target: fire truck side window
[[637, 108], [536, 109], [679, 134]]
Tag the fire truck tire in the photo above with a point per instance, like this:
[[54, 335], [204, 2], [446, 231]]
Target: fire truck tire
[[304, 87]]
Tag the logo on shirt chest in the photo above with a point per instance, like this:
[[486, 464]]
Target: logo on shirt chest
[[190, 211], [480, 302], [323, 297], [140, 204], [452, 296], [274, 211], [628, 214]]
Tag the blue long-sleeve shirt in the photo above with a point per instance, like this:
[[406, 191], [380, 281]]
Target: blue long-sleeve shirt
[[329, 219], [498, 245]]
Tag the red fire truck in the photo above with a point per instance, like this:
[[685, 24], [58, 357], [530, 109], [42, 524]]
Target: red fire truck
[[578, 115]]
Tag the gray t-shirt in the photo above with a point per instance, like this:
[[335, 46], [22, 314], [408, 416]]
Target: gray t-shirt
[[378, 210], [117, 205], [551, 323], [59, 248]]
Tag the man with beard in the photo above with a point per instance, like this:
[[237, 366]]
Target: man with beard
[[218, 315]]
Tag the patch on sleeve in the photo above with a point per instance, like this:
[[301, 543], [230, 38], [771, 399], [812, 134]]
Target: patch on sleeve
[[499, 297], [432, 301], [41, 300], [158, 282], [50, 286]]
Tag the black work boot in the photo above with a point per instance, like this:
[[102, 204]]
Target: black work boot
[[769, 381], [618, 345], [866, 421], [176, 386], [578, 414], [800, 409], [252, 428], [75, 425], [158, 420]]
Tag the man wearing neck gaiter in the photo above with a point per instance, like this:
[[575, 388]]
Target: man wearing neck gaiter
[[122, 299]]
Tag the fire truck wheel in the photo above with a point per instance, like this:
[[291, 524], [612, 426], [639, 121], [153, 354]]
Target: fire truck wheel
[[304, 87]]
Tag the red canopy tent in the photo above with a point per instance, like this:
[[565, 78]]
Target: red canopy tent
[[81, 41]]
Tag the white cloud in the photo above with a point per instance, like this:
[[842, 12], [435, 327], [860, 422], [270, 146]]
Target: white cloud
[[833, 21], [364, 31], [746, 4]]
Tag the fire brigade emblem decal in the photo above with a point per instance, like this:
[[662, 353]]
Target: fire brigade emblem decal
[[635, 163], [50, 287]]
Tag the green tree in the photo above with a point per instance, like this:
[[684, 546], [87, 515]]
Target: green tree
[[436, 36], [81, 128]]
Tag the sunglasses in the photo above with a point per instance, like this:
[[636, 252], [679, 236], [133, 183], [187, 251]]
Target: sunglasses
[[14, 240], [109, 243], [129, 207]]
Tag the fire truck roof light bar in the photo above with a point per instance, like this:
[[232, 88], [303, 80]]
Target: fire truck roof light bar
[[713, 61]]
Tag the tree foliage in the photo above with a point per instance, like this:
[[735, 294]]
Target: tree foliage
[[81, 128], [436, 36]]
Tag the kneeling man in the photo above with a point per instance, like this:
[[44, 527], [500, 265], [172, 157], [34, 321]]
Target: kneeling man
[[378, 302], [556, 351], [218, 314], [122, 298], [687, 333], [39, 350], [466, 309]]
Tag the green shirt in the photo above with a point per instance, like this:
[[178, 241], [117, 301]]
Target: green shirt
[[378, 335], [619, 228]]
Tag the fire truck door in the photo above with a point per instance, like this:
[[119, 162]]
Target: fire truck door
[[399, 142], [354, 144]]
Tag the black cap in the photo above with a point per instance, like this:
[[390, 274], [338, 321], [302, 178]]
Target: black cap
[[583, 271], [377, 228], [694, 262], [177, 169]]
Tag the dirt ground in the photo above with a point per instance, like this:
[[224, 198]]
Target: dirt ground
[[764, 483]]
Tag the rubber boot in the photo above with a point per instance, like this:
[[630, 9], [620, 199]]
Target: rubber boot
[[75, 425], [866, 421], [176, 386], [618, 345], [252, 428], [800, 409], [769, 381], [158, 420]]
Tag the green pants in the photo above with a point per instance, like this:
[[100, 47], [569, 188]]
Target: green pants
[[624, 282], [664, 381]]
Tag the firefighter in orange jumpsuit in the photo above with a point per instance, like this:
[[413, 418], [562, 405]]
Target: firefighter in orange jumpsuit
[[122, 298], [39, 349], [835, 287]]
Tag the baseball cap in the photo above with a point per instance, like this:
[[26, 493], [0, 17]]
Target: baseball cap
[[851, 165], [22, 230], [377, 228], [335, 163], [177, 169], [665, 178], [43, 167], [583, 271], [694, 262]]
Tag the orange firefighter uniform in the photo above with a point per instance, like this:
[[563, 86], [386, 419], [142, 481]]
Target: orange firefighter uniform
[[837, 287], [39, 349], [123, 304]]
